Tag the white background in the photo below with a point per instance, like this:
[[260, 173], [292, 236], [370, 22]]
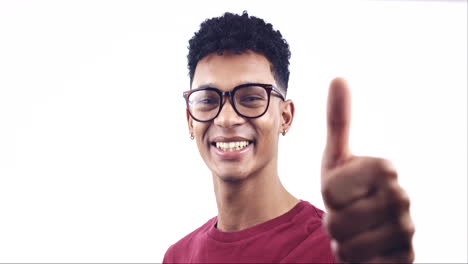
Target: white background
[[96, 164]]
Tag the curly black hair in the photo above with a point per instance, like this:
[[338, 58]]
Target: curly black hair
[[239, 33]]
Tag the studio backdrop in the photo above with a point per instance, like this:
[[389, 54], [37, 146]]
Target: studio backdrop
[[96, 164]]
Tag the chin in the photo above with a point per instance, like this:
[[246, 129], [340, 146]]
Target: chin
[[231, 179], [230, 176]]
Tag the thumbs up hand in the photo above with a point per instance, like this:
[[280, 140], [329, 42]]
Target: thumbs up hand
[[368, 215]]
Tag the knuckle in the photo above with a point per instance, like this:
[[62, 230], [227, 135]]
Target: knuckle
[[411, 230], [332, 225], [397, 197], [329, 190], [326, 193], [325, 188], [405, 202], [406, 228], [406, 232], [385, 167]]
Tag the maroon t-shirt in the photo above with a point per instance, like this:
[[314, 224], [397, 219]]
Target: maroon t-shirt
[[296, 236]]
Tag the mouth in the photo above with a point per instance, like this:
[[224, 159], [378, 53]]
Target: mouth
[[232, 146]]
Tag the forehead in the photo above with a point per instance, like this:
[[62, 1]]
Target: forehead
[[231, 69]]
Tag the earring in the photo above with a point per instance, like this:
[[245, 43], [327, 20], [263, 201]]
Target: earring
[[284, 132], [191, 136]]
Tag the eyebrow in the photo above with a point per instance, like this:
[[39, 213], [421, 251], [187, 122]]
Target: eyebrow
[[208, 85]]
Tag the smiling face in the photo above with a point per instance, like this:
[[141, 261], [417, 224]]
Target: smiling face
[[234, 147]]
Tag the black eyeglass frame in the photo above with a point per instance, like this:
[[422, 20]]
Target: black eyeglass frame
[[268, 88]]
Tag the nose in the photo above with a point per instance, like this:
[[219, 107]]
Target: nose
[[228, 117]]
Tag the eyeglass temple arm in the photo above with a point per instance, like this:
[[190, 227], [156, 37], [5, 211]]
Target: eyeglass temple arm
[[283, 96]]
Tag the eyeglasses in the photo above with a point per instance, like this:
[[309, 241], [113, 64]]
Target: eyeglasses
[[250, 100]]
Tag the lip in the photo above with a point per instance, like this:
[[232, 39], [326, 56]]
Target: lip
[[229, 139], [231, 155]]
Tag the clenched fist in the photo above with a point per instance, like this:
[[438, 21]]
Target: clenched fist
[[368, 214]]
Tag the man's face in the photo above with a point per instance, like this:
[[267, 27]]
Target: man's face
[[226, 72]]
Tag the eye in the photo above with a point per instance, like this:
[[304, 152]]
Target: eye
[[251, 99], [207, 101]]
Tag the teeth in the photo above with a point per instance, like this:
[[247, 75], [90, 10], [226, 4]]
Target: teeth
[[232, 146]]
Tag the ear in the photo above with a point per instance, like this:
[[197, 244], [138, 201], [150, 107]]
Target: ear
[[287, 115], [189, 121]]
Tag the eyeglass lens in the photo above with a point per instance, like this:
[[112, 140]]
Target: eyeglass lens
[[249, 101]]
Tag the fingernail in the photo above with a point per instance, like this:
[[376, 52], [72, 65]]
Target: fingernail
[[334, 245]]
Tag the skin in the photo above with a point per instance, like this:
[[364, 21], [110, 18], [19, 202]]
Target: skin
[[248, 190], [364, 189]]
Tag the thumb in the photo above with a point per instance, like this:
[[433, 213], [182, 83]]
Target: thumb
[[338, 122]]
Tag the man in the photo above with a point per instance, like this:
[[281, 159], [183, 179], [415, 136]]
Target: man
[[236, 110]]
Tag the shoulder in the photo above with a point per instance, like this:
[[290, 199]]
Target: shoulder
[[181, 248]]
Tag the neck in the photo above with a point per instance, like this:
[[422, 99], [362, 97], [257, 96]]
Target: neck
[[257, 199]]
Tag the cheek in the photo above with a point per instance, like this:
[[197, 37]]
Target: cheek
[[199, 130], [267, 129]]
